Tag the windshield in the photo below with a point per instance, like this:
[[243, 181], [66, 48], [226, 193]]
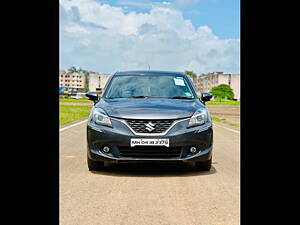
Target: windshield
[[154, 86]]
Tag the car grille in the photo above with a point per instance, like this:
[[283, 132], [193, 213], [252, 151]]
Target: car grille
[[149, 126], [150, 152]]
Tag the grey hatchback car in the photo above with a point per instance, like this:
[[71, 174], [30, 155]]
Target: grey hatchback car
[[149, 116]]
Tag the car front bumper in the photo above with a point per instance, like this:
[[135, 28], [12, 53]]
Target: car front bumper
[[180, 138]]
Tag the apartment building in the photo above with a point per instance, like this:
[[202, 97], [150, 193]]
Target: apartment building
[[73, 81], [205, 82]]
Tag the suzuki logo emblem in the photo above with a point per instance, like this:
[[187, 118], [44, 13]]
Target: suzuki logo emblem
[[150, 126]]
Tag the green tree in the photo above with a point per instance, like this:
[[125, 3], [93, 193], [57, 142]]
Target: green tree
[[87, 78], [87, 81], [191, 74], [222, 91], [72, 69]]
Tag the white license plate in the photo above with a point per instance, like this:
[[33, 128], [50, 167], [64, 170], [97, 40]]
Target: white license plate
[[149, 142]]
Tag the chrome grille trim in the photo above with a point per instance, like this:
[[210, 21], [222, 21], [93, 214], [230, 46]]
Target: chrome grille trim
[[147, 126], [150, 134]]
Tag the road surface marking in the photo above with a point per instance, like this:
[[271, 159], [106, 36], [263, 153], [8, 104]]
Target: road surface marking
[[235, 131], [73, 125]]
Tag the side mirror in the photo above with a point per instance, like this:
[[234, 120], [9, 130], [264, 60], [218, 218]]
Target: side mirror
[[93, 96], [205, 97]]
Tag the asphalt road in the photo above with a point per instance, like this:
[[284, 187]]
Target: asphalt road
[[149, 194]]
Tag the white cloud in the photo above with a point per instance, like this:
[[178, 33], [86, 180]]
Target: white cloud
[[76, 29], [106, 39]]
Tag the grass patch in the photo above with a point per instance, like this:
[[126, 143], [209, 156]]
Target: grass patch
[[83, 100], [234, 124], [71, 113], [218, 119], [222, 102], [222, 120]]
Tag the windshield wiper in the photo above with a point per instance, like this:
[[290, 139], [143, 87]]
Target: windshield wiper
[[139, 96], [180, 97]]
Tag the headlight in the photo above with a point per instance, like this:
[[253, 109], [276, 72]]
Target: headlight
[[98, 116], [199, 118]]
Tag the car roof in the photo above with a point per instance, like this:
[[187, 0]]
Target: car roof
[[148, 72]]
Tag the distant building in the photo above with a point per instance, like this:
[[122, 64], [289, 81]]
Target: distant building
[[73, 81], [103, 79], [97, 80], [77, 82], [94, 81], [205, 82]]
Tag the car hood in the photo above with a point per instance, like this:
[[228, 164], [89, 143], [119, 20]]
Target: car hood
[[149, 108]]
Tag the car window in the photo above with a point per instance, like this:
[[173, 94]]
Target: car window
[[161, 86]]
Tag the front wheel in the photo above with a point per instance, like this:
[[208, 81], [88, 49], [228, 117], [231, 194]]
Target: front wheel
[[95, 165], [203, 166]]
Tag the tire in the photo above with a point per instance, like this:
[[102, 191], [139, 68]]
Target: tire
[[203, 166], [95, 165]]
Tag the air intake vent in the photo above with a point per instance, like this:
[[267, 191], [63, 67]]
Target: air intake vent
[[150, 152]]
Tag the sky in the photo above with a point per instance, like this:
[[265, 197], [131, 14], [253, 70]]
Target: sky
[[176, 35]]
